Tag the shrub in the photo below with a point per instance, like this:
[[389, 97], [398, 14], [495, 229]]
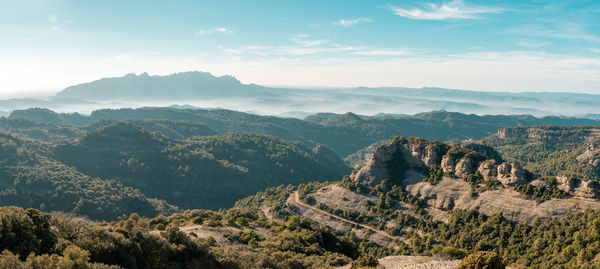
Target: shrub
[[482, 260], [365, 261]]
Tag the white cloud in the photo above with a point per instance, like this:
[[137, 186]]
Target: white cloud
[[532, 45], [381, 52], [201, 33], [224, 30], [595, 50], [301, 39], [456, 9], [557, 30], [352, 22], [221, 30]]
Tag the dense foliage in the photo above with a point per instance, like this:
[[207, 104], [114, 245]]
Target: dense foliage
[[345, 134], [552, 150], [253, 242], [221, 168], [30, 179]]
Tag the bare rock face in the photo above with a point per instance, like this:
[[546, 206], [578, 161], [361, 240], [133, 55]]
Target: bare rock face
[[448, 163], [511, 174], [422, 155], [578, 188], [433, 155], [415, 155], [464, 167], [376, 168], [504, 133], [451, 194], [488, 169], [539, 183], [566, 184], [587, 189]]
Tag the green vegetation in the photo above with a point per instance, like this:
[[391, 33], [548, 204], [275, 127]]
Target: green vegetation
[[435, 175], [551, 150], [482, 260], [222, 168], [345, 134], [30, 179], [38, 238], [542, 193]]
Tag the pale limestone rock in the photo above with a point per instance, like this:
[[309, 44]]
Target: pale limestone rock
[[464, 167], [448, 163], [488, 169], [511, 174], [587, 189]]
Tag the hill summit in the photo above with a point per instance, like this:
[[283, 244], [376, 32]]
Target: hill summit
[[143, 87]]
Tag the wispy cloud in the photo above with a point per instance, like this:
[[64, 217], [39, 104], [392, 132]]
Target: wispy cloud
[[532, 44], [224, 30], [456, 9], [221, 30], [301, 39], [381, 52], [352, 22], [560, 30], [595, 50], [201, 33]]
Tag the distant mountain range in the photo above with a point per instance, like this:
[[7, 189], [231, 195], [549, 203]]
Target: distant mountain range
[[344, 133], [200, 89]]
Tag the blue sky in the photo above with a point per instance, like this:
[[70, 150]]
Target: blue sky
[[47, 45]]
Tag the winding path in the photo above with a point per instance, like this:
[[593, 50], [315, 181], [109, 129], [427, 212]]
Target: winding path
[[297, 201]]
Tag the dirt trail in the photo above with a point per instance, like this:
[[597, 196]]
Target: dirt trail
[[297, 201]]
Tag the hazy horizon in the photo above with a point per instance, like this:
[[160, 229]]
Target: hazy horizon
[[510, 46]]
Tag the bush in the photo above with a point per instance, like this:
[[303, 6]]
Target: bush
[[365, 261], [482, 260], [453, 253]]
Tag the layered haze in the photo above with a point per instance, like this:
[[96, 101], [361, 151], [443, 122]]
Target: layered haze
[[204, 90]]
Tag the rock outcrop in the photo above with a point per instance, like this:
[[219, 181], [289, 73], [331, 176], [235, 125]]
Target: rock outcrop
[[579, 188], [456, 194], [587, 189], [510, 174], [376, 168], [566, 184], [464, 167], [448, 163], [488, 169], [462, 161], [423, 153]]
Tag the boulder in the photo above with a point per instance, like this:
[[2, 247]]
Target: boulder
[[511, 174], [587, 189], [376, 168], [488, 169], [448, 163], [566, 184], [419, 154], [433, 155], [464, 167], [539, 183]]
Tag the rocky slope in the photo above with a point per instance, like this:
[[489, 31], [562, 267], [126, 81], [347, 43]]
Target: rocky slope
[[467, 170], [552, 150]]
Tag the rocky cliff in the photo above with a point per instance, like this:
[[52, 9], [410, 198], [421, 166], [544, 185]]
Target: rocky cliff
[[459, 162]]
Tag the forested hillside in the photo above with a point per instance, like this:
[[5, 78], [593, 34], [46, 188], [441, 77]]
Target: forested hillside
[[552, 150], [28, 178], [345, 134], [115, 167]]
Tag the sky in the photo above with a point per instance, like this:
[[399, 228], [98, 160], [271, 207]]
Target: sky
[[47, 45]]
